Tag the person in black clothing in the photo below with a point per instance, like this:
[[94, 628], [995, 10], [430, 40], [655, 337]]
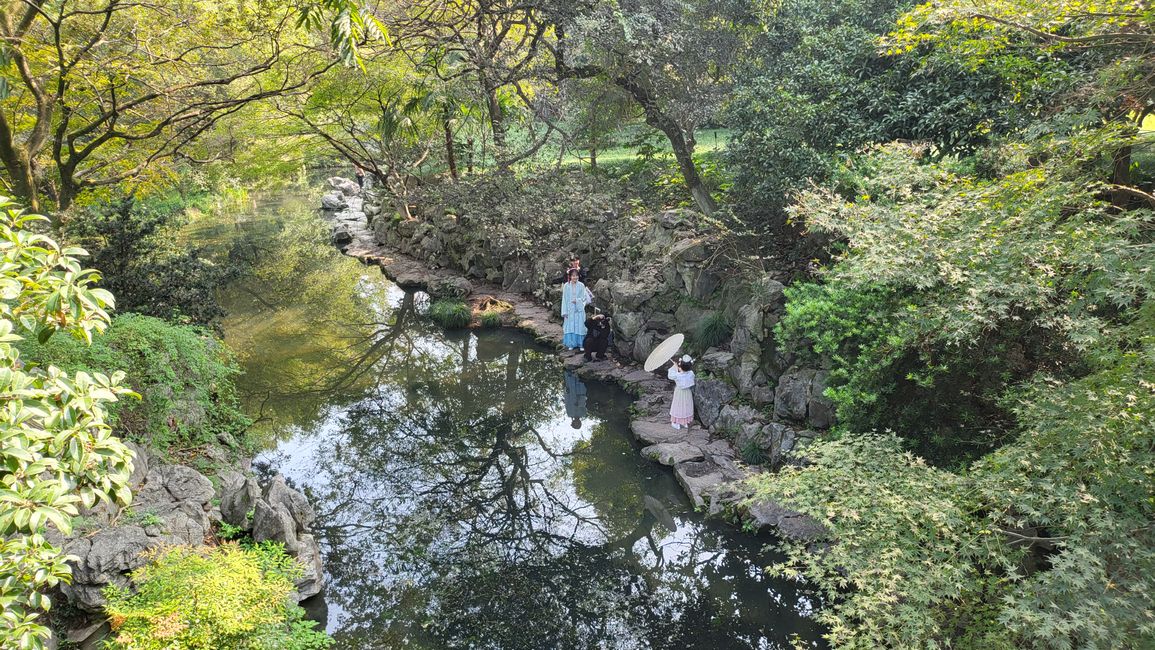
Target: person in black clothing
[[360, 176], [598, 333]]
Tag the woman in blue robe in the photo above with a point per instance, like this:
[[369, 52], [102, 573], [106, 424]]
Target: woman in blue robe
[[574, 298]]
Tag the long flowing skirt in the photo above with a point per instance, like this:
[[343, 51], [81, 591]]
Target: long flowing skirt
[[575, 332], [682, 410]]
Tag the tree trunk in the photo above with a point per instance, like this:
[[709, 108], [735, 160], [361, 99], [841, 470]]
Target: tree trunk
[[19, 168], [593, 158], [469, 156], [496, 119], [683, 147], [450, 155], [1121, 175]]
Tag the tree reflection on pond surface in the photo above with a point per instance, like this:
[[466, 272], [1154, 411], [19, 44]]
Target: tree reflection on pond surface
[[461, 508], [458, 505]]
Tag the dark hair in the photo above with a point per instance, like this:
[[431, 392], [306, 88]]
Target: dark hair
[[686, 366], [590, 309], [572, 273]]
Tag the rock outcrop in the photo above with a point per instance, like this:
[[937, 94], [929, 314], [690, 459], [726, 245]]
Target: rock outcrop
[[174, 505], [277, 513]]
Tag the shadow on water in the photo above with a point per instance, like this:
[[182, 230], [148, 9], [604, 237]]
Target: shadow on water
[[470, 493]]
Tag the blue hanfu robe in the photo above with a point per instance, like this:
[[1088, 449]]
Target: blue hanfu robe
[[574, 298]]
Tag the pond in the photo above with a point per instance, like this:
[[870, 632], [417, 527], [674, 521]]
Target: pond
[[471, 493]]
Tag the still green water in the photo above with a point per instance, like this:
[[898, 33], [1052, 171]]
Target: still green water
[[470, 493]]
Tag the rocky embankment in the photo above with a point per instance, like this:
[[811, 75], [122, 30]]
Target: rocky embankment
[[177, 505], [655, 276]]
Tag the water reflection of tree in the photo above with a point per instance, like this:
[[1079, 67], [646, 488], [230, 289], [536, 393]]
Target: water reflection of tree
[[454, 517]]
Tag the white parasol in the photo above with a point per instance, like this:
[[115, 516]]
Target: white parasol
[[664, 352]]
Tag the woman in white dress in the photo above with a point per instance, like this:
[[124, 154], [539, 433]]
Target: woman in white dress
[[682, 410], [574, 298]]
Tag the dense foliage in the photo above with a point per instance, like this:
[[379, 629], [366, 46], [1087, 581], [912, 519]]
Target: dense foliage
[[964, 188], [185, 377], [143, 262], [57, 453], [209, 598], [993, 309]]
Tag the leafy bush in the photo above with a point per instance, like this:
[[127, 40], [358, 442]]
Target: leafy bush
[[184, 375], [451, 314], [490, 318], [136, 248], [210, 598], [57, 452], [714, 330]]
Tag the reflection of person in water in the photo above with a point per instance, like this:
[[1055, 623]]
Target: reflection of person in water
[[575, 399]]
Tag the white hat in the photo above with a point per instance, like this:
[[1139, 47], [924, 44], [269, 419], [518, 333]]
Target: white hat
[[686, 358]]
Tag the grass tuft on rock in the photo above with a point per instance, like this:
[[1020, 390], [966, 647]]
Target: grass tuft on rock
[[451, 314], [714, 330]]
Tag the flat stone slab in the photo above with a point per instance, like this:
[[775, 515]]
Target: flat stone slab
[[656, 433], [638, 376], [700, 479], [604, 370], [672, 453]]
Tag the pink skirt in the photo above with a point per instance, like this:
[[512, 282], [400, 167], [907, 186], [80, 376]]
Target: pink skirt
[[682, 410]]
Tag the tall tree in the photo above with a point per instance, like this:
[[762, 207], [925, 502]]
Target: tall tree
[[675, 58], [100, 92], [494, 44]]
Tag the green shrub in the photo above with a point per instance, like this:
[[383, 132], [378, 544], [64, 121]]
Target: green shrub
[[490, 318], [184, 375], [142, 260], [451, 314], [209, 598], [752, 453], [715, 329]]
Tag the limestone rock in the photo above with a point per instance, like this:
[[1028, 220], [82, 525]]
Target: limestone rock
[[105, 558], [341, 236], [748, 331], [630, 296], [644, 344], [709, 396], [733, 418], [820, 410], [140, 463], [785, 522], [333, 201], [276, 524], [745, 376], [762, 395], [344, 186], [673, 453], [792, 398], [186, 484], [655, 433], [313, 579], [452, 287], [662, 322], [715, 362], [239, 495], [278, 493], [699, 479], [628, 324], [689, 250]]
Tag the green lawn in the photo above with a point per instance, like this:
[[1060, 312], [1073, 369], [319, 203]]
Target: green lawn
[[708, 141]]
